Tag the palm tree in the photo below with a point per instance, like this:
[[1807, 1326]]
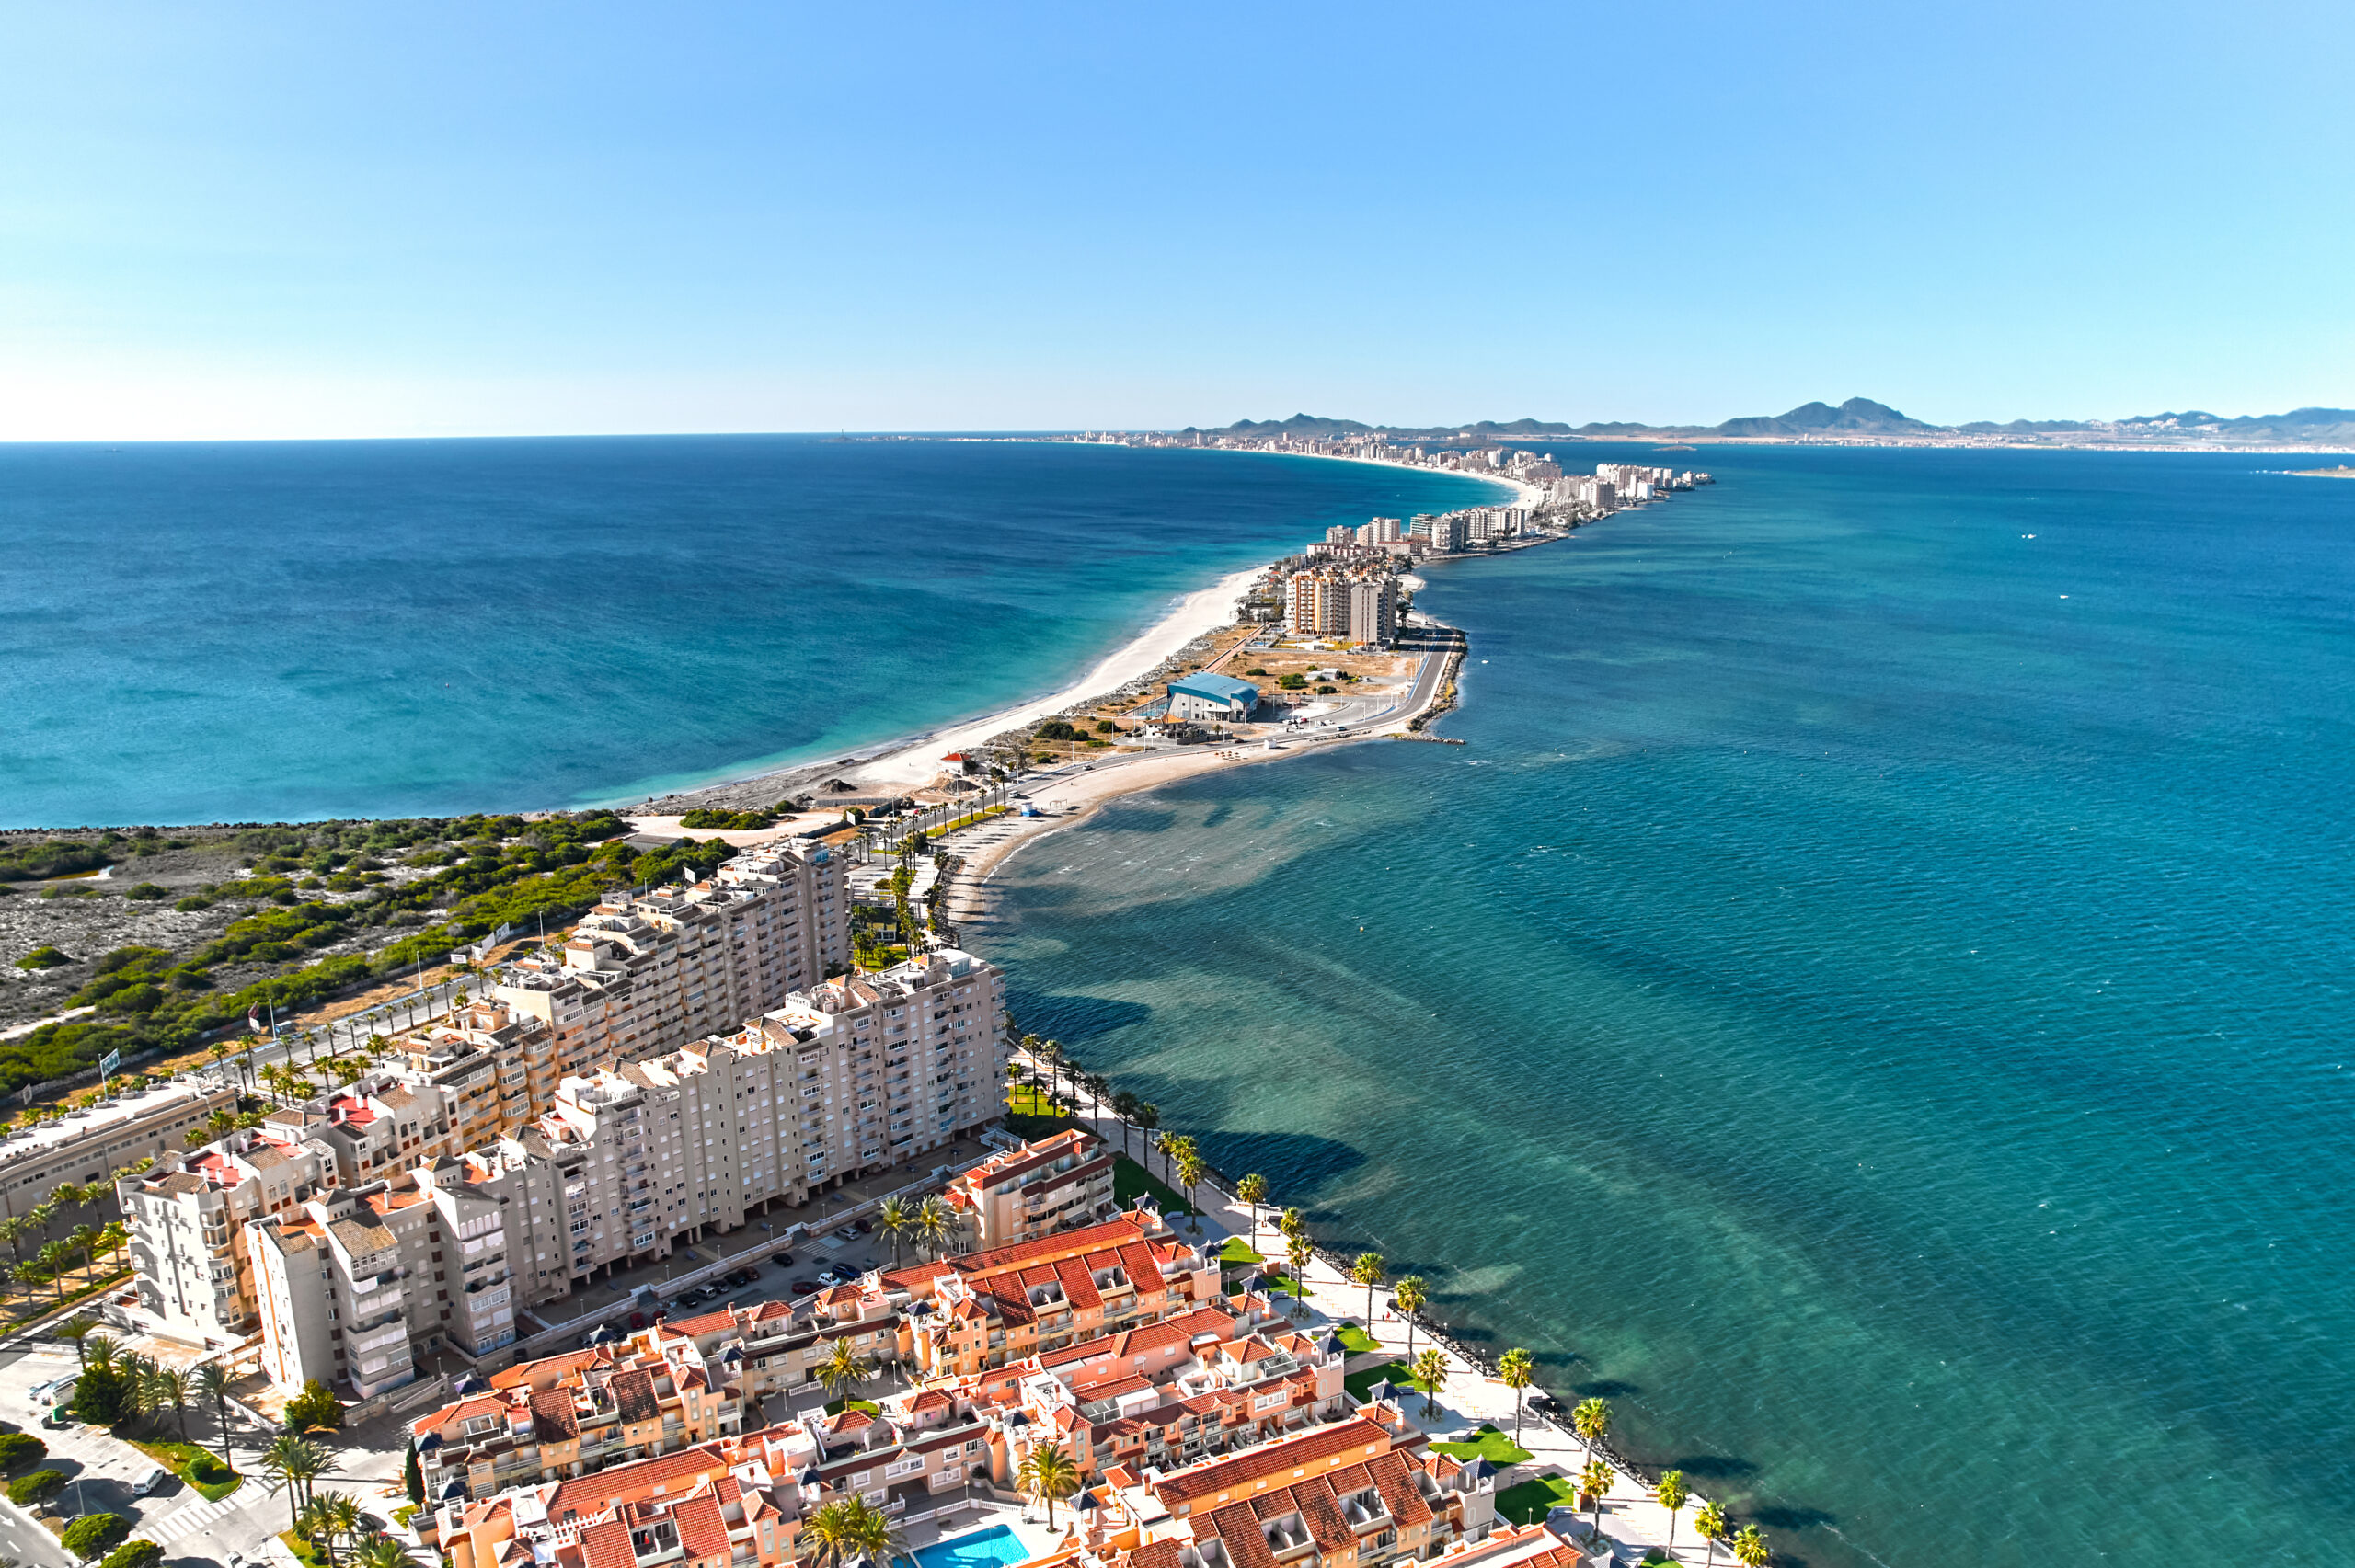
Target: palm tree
[[382, 1551], [69, 1195], [1369, 1271], [168, 1385], [112, 1237], [1516, 1368], [1750, 1548], [895, 1219], [845, 1532], [1407, 1298], [212, 1384], [97, 1350], [42, 1214], [1049, 1474], [1169, 1142], [1591, 1420], [935, 1222], [1124, 1110], [333, 1514], [1594, 1480], [1673, 1494], [55, 1256], [78, 1331], [84, 1238], [843, 1369], [1148, 1116], [1292, 1222], [1253, 1190], [294, 1463], [1190, 1173], [1300, 1249], [1431, 1375], [1710, 1520], [12, 1230]]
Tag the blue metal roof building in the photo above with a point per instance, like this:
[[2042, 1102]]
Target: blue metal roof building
[[1211, 696]]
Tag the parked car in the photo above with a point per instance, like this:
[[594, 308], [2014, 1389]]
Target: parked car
[[638, 1320], [744, 1276], [150, 1480], [804, 1286], [847, 1233], [783, 1260], [863, 1226]]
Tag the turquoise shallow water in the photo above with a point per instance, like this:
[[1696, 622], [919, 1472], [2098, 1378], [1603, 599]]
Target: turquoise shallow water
[[196, 633], [1883, 1022]]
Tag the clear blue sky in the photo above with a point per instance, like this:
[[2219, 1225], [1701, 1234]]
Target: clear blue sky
[[342, 219]]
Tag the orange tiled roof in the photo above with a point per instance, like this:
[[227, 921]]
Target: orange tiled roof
[[1320, 1443]]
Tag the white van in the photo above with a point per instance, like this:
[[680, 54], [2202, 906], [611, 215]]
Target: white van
[[149, 1480], [56, 1391]]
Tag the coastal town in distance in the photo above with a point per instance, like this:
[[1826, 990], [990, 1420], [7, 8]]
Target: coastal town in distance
[[731, 1220]]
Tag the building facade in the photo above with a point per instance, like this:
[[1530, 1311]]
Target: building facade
[[90, 1146], [1033, 1191]]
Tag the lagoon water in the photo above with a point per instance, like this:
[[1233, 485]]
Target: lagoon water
[[1872, 997], [212, 632]]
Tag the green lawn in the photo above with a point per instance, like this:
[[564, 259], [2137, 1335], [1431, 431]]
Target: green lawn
[[180, 1460], [1400, 1378], [1491, 1445], [1237, 1253], [1530, 1501], [1131, 1180], [1356, 1341], [835, 1407]]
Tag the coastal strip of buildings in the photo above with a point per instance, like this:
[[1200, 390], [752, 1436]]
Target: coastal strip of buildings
[[682, 1066], [1201, 1430]]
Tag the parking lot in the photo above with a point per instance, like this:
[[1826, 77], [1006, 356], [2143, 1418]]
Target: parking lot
[[754, 1244], [100, 1471]]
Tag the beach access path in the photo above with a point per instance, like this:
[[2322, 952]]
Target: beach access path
[[1471, 1398]]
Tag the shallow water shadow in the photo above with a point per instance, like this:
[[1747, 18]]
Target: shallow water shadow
[[1716, 1467], [1609, 1388], [1788, 1517], [1073, 1020]]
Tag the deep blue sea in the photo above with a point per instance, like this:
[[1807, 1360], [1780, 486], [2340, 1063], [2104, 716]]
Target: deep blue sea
[[1871, 999], [236, 633]]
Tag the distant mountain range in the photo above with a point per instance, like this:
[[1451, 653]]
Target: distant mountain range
[[1860, 418]]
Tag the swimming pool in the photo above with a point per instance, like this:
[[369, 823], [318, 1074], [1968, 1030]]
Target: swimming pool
[[991, 1547]]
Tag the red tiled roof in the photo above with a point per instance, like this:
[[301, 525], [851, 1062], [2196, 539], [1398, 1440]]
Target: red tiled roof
[[464, 1410], [701, 1529], [1318, 1444], [605, 1544], [595, 1494]]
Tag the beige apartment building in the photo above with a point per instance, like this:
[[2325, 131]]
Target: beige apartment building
[[90, 1146], [356, 1282], [186, 1214], [647, 974], [993, 1309], [1033, 1191]]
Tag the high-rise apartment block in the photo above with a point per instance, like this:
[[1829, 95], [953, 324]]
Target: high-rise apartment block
[[92, 1144], [368, 1237], [647, 974]]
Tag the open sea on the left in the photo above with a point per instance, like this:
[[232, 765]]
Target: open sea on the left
[[284, 631]]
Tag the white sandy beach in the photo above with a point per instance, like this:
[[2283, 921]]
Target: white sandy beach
[[1203, 610]]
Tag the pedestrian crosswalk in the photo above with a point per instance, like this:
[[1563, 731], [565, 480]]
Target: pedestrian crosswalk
[[188, 1520]]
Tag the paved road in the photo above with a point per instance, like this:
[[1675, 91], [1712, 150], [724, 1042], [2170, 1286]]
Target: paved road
[[101, 1468]]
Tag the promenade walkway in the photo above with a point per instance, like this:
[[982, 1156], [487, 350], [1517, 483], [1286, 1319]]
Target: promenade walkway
[[1471, 1396]]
